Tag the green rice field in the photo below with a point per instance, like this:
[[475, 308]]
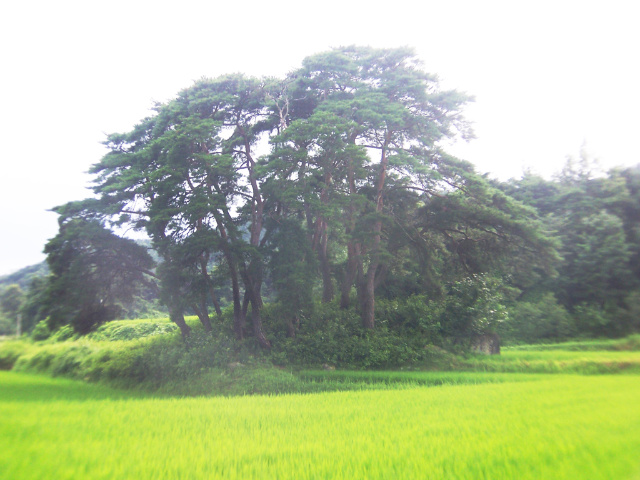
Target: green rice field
[[502, 426], [559, 361]]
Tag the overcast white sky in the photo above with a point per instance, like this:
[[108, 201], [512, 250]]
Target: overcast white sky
[[547, 76]]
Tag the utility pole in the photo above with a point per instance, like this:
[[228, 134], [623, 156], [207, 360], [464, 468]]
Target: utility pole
[[19, 325]]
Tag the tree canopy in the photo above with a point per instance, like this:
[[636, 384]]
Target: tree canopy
[[333, 183], [95, 274], [344, 155]]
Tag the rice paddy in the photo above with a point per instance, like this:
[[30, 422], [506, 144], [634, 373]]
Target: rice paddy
[[546, 359], [518, 426]]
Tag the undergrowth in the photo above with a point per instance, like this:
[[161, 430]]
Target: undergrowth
[[150, 355]]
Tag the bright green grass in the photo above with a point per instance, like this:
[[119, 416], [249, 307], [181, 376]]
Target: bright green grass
[[395, 379], [558, 361], [631, 342], [557, 427]]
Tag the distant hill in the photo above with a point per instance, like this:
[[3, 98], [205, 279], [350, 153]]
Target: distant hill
[[23, 276]]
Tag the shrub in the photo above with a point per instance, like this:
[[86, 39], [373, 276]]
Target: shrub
[[335, 336], [41, 331], [131, 330], [413, 315], [7, 326], [473, 305], [544, 319], [63, 334], [10, 351]]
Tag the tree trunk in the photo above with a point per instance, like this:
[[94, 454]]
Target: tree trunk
[[245, 303], [256, 320], [368, 301], [252, 275], [293, 323], [325, 268], [252, 292], [353, 248], [176, 315], [203, 315], [238, 314], [368, 298], [207, 279], [349, 275]]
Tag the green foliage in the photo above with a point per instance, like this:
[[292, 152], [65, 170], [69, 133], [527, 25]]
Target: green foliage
[[34, 308], [7, 326], [414, 315], [334, 336], [473, 306], [537, 321], [609, 320], [11, 300], [594, 220], [216, 363], [354, 190], [41, 331], [64, 333], [128, 330], [596, 258], [10, 351], [95, 274], [292, 265]]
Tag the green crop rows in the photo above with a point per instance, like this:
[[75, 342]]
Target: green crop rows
[[553, 426]]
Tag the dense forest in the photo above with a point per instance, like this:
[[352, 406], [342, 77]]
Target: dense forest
[[297, 213]]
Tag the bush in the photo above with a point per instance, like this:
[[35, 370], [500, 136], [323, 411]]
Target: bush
[[335, 337], [131, 330], [472, 306], [7, 326], [10, 351], [41, 331], [63, 334], [413, 315], [532, 322]]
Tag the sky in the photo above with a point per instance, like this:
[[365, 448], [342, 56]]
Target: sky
[[549, 78]]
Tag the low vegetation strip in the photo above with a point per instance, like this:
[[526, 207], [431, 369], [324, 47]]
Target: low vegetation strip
[[558, 361], [632, 342], [142, 356], [347, 377], [561, 427]]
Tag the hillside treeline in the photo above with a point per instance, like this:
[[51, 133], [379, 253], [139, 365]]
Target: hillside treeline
[[323, 202]]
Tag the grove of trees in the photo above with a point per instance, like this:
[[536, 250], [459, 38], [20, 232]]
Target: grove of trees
[[331, 186]]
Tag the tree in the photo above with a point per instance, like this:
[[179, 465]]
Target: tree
[[34, 308], [593, 219], [376, 114], [191, 171], [595, 267], [353, 164], [11, 299], [95, 274], [292, 268]]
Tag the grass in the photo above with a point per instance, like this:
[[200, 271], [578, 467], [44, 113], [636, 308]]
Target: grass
[[139, 355], [584, 357], [558, 426], [479, 423], [631, 342], [396, 379]]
